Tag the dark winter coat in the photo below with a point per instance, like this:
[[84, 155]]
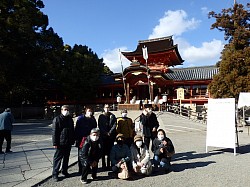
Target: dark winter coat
[[83, 127], [149, 122], [91, 151], [119, 152], [157, 144], [107, 124], [63, 131]]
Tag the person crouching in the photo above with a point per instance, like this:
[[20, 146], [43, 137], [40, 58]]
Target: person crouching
[[140, 156], [163, 151], [120, 157], [90, 154]]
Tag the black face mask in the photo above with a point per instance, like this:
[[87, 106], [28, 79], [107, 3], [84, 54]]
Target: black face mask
[[119, 142]]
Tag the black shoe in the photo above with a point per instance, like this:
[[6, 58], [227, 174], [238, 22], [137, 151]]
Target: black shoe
[[1, 152], [55, 178], [66, 174]]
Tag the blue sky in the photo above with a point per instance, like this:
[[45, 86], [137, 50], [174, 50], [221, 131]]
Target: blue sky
[[109, 26]]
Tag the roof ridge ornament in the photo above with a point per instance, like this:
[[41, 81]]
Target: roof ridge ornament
[[155, 39]]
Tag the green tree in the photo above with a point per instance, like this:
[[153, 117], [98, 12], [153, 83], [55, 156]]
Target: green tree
[[21, 24], [80, 73], [34, 63], [234, 66]]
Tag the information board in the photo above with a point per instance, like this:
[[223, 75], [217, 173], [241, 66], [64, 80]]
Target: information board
[[221, 123]]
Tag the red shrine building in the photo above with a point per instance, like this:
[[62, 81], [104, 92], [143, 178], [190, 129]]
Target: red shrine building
[[153, 77]]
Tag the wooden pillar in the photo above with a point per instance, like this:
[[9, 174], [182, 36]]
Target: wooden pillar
[[152, 92], [112, 93], [128, 99]]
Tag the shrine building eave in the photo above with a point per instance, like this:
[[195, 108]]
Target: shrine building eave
[[160, 51], [133, 74]]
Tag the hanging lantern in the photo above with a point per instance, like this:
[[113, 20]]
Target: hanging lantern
[[164, 98], [197, 90], [118, 99]]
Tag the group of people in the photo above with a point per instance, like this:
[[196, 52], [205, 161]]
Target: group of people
[[112, 140]]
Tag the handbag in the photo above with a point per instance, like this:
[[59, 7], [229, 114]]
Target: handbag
[[123, 174]]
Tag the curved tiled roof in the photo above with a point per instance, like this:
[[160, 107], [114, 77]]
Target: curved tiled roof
[[153, 46], [163, 48], [193, 73]]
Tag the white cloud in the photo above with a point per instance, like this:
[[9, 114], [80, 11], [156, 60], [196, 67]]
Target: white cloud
[[174, 23], [208, 54], [205, 10], [112, 59]]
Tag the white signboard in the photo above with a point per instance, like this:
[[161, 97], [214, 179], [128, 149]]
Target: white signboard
[[244, 99], [221, 123]]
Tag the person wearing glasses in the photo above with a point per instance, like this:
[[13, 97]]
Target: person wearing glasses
[[62, 139], [107, 126]]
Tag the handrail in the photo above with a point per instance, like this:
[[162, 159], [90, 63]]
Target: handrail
[[188, 112]]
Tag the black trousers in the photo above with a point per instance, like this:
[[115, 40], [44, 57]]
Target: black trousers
[[61, 156], [5, 134], [147, 142], [79, 162], [108, 144], [86, 170]]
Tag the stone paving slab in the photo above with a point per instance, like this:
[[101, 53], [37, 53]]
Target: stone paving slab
[[29, 164], [14, 163], [14, 177]]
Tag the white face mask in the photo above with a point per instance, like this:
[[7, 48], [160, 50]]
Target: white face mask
[[106, 110], [65, 112], [88, 114], [149, 111], [138, 143], [94, 138], [160, 137], [124, 115]]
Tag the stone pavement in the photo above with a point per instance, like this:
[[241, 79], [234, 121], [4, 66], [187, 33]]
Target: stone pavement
[[31, 163]]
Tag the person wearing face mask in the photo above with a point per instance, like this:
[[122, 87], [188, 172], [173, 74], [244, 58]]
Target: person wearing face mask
[[163, 151], [125, 126], [90, 154], [120, 154], [140, 157], [62, 139], [150, 125], [84, 124], [107, 125]]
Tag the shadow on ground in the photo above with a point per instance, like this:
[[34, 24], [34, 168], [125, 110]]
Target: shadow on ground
[[193, 155]]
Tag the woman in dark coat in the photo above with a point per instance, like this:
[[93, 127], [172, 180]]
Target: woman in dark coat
[[84, 124], [163, 151]]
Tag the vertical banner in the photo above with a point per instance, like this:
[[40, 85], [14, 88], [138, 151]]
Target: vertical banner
[[145, 52], [221, 123]]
